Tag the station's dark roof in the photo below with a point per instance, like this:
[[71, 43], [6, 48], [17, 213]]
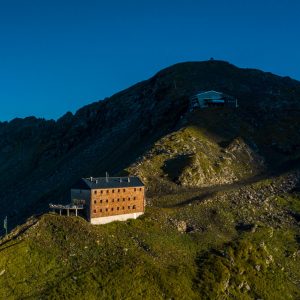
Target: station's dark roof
[[221, 94], [107, 183]]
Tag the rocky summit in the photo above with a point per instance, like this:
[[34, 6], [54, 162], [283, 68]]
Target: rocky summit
[[223, 203]]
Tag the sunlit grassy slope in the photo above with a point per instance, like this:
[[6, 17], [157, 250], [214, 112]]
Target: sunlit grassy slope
[[212, 256], [222, 216], [213, 146]]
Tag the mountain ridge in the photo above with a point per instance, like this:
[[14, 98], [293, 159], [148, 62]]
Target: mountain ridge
[[222, 214], [39, 158], [162, 71]]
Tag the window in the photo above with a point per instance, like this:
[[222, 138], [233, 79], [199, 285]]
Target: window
[[123, 199], [95, 211], [135, 189], [100, 201], [128, 207], [107, 191], [118, 190], [140, 189], [134, 198], [101, 210], [113, 200], [106, 209], [118, 208], [95, 192], [112, 209], [133, 207], [113, 191], [123, 190], [106, 200], [101, 192], [123, 207], [95, 201], [128, 198], [118, 199]]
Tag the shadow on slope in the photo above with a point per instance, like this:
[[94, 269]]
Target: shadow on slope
[[41, 159]]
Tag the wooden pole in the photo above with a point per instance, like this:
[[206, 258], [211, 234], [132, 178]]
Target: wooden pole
[[76, 212]]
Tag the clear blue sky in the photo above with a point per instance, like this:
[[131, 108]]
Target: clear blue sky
[[56, 56]]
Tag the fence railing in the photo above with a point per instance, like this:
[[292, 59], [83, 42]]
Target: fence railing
[[67, 206]]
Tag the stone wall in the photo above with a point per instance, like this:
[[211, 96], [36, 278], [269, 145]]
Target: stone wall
[[105, 220]]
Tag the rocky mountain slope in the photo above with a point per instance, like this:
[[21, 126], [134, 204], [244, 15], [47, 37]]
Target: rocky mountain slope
[[39, 159], [192, 157], [222, 217], [234, 243]]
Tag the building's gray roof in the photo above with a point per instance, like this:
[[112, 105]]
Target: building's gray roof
[[210, 93], [213, 94], [107, 183]]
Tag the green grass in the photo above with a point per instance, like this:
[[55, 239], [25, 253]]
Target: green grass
[[148, 258], [66, 256], [199, 154], [251, 267], [290, 202]]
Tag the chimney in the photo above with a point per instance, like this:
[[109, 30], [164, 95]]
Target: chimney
[[128, 179], [91, 179], [106, 176], [120, 179]]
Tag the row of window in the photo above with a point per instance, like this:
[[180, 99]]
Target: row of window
[[112, 209], [118, 190], [113, 200]]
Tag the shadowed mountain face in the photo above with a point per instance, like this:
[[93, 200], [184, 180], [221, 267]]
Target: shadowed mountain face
[[149, 123]]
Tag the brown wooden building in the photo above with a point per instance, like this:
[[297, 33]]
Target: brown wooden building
[[109, 199]]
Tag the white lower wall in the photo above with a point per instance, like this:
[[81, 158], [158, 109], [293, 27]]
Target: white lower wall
[[105, 220]]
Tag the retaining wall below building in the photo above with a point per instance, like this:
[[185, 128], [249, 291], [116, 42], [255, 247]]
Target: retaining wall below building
[[105, 220]]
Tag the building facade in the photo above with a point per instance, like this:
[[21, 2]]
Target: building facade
[[213, 99], [108, 199]]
